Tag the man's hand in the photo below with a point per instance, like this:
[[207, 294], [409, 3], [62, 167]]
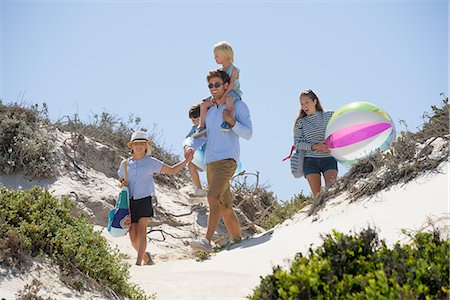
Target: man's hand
[[228, 117]]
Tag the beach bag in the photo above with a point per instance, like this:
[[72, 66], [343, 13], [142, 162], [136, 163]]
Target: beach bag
[[297, 158], [119, 219]]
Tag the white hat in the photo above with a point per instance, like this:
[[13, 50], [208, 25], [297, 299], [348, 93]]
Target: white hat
[[140, 136]]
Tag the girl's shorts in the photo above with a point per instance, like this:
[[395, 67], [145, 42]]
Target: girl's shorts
[[141, 208], [317, 165]]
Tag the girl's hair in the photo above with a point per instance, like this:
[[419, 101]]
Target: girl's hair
[[311, 95], [225, 49]]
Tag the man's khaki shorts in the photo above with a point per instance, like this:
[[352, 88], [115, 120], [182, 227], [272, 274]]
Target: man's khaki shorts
[[219, 174]]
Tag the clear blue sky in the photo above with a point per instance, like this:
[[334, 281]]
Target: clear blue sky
[[150, 58]]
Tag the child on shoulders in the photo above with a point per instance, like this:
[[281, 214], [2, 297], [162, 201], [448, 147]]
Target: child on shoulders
[[224, 56]]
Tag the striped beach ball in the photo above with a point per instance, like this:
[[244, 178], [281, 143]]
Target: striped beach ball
[[358, 130]]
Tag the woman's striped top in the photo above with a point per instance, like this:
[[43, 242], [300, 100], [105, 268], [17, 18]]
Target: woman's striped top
[[310, 130]]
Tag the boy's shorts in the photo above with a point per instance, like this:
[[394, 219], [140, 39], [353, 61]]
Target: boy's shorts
[[317, 165], [219, 174], [141, 208], [235, 96]]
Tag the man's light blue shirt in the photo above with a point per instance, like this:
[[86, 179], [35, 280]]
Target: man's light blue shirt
[[219, 144]]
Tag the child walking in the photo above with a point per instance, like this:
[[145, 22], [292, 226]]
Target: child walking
[[141, 168], [194, 167], [224, 56]]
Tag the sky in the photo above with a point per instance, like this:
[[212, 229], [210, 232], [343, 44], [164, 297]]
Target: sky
[[150, 59]]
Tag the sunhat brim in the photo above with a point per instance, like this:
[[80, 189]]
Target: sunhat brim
[[139, 140]]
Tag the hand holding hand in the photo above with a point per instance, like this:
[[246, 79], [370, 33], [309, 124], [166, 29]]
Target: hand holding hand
[[188, 151], [189, 155]]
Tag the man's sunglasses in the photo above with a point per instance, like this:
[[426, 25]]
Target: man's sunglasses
[[216, 85]]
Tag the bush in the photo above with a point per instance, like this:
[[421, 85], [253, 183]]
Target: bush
[[281, 212], [114, 132], [46, 226], [24, 144], [363, 267], [260, 205]]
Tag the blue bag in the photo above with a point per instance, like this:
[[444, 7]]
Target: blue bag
[[119, 219]]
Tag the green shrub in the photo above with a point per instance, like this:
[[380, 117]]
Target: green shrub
[[47, 226], [281, 212], [437, 122], [363, 267], [24, 144]]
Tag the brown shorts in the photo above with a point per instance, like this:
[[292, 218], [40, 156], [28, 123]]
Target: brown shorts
[[219, 174]]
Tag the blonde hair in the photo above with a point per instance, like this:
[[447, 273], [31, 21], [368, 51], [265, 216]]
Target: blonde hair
[[225, 49], [311, 95]]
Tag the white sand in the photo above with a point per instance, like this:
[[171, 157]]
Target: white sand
[[233, 274]]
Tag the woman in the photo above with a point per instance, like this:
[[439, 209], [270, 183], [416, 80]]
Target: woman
[[309, 135], [141, 168]]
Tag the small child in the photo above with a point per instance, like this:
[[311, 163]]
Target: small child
[[141, 168], [224, 55], [194, 115]]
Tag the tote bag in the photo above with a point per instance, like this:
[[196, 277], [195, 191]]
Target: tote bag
[[297, 158], [119, 219]]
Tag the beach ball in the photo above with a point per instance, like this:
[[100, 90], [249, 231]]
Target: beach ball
[[358, 130]]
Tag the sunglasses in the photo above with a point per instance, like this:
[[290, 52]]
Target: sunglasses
[[216, 85]]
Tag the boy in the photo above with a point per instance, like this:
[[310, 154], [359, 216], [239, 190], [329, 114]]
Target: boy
[[194, 115]]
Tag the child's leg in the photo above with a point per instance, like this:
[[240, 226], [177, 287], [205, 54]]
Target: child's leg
[[204, 106], [194, 175], [230, 104]]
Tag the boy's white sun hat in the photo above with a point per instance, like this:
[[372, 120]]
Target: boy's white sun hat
[[140, 136]]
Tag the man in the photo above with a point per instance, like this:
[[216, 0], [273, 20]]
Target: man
[[221, 155]]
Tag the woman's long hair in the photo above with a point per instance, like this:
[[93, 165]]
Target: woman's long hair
[[311, 95]]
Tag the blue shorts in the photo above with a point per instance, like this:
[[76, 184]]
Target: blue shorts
[[316, 165]]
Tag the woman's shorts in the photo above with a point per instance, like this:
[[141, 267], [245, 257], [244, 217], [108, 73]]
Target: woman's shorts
[[316, 165], [141, 208]]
